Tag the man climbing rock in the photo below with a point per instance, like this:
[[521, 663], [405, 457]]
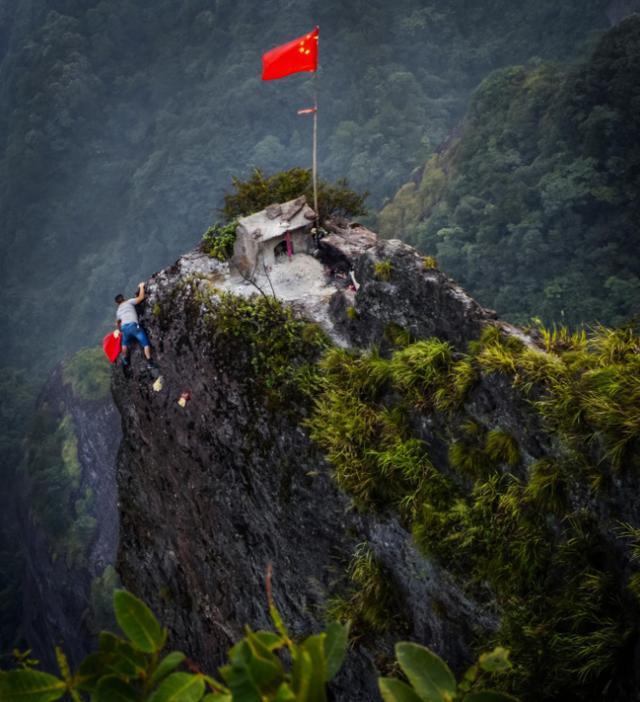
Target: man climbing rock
[[127, 322]]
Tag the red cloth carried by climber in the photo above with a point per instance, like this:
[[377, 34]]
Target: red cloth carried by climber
[[111, 344]]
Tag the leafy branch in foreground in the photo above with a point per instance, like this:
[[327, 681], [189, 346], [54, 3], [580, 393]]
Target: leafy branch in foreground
[[431, 680], [264, 666], [131, 669]]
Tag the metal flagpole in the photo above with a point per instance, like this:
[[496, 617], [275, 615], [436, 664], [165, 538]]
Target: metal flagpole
[[315, 148]]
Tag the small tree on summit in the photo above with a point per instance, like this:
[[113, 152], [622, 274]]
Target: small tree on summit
[[259, 191]]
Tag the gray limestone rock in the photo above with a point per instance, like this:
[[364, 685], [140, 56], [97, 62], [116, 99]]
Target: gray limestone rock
[[212, 492]]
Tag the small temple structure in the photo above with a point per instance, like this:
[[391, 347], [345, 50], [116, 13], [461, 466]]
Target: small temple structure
[[273, 236]]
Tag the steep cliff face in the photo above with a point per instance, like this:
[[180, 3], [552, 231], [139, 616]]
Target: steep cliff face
[[70, 530], [441, 440], [212, 492]]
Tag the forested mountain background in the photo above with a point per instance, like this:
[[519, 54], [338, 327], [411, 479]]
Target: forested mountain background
[[123, 122], [533, 205]]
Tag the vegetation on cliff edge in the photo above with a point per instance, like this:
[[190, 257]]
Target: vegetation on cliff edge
[[515, 521]]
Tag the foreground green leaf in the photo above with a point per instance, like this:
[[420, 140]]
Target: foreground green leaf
[[218, 697], [112, 689], [30, 686], [428, 673], [278, 623], [393, 690], [335, 648], [179, 687], [92, 668], [301, 672], [315, 690], [138, 622], [269, 639], [496, 661], [266, 668], [240, 681], [284, 694], [169, 663], [489, 696]]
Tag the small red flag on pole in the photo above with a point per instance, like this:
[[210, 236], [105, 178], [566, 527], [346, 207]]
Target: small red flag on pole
[[296, 56]]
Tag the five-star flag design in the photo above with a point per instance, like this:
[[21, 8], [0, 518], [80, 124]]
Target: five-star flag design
[[298, 55]]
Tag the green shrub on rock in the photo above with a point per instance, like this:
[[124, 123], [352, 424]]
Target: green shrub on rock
[[260, 191], [218, 241], [509, 525]]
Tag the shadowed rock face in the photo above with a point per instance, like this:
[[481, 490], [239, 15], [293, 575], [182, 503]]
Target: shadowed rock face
[[421, 300], [57, 591], [212, 492]]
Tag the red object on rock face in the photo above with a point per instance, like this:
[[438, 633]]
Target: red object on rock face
[[112, 343], [298, 55]]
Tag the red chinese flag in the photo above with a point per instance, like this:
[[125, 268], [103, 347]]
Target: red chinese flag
[[112, 345], [298, 55]]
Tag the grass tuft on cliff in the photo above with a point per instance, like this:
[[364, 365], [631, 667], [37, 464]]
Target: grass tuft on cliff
[[514, 531]]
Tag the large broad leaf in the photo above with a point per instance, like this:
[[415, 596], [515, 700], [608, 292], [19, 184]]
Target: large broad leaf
[[489, 696], [168, 664], [108, 642], [393, 690], [112, 689], [266, 668], [301, 672], [30, 686], [137, 622], [428, 674], [284, 694], [239, 680], [117, 656], [335, 648], [312, 688], [218, 697], [128, 661], [179, 687], [91, 669], [269, 639]]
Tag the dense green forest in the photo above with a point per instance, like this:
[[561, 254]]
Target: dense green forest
[[533, 207], [123, 124]]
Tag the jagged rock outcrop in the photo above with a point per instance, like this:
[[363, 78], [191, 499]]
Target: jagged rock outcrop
[[218, 476], [212, 492], [69, 469]]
